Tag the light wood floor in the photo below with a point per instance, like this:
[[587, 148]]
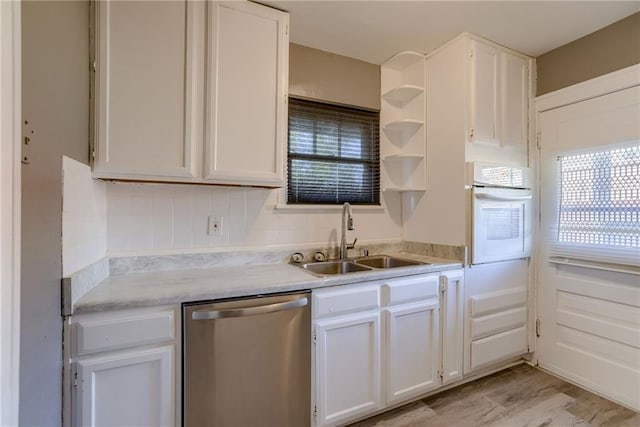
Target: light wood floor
[[518, 396]]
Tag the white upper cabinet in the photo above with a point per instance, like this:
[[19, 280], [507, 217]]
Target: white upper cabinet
[[191, 92], [247, 86], [515, 100], [499, 88], [144, 93], [485, 81]]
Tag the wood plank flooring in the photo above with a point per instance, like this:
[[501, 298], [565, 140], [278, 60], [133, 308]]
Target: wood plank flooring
[[518, 396]]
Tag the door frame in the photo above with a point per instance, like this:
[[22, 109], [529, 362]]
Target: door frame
[[615, 81], [10, 175]]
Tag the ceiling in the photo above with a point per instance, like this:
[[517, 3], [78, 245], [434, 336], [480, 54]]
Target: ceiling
[[373, 31]]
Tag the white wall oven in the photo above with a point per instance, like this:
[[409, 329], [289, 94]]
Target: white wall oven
[[501, 212]]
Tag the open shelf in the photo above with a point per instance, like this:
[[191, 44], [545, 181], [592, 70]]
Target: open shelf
[[403, 157], [401, 95], [403, 60], [408, 126], [403, 189], [402, 117]]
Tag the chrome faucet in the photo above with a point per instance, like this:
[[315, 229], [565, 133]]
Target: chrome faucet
[[347, 224]]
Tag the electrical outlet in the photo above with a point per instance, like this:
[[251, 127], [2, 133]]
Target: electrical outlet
[[214, 225]]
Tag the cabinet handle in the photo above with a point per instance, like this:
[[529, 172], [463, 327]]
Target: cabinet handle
[[248, 311]]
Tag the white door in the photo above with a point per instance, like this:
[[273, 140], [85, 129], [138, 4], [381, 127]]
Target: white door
[[485, 101], [246, 117], [452, 317], [147, 85], [347, 367], [133, 388], [413, 347], [515, 101], [589, 312]]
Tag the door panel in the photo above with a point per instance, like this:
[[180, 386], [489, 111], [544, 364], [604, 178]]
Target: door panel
[[347, 367], [412, 350], [590, 319], [128, 388], [144, 89], [246, 108], [485, 76]]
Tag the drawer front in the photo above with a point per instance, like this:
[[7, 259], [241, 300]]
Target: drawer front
[[345, 299], [498, 322], [411, 289], [497, 301], [109, 332], [498, 347]]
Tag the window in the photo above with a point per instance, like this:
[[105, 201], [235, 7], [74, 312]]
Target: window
[[333, 155], [599, 205]]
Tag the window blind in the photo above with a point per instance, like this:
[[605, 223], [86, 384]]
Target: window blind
[[333, 154], [599, 206]]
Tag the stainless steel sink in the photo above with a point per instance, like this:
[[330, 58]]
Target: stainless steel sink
[[334, 267], [386, 261]]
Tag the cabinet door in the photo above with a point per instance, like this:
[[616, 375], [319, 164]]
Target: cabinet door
[[146, 85], [452, 315], [485, 100], [347, 358], [413, 348], [247, 87], [515, 101], [132, 388]]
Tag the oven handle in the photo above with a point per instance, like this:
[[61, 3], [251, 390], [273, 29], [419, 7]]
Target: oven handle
[[248, 311], [487, 196]]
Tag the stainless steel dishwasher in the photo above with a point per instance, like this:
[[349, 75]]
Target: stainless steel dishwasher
[[247, 362]]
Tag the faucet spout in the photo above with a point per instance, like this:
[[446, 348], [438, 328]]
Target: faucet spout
[[347, 224]]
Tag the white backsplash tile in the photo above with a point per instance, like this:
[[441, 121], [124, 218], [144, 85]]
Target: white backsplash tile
[[84, 239], [163, 217]]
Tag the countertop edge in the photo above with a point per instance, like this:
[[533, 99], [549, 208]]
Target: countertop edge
[[107, 296]]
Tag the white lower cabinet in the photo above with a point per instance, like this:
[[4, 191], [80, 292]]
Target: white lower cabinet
[[134, 388], [347, 367], [411, 350], [124, 368], [346, 335], [361, 367], [452, 324], [496, 314]]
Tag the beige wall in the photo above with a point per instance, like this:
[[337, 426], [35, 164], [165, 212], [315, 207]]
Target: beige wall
[[612, 48], [329, 77], [55, 103]]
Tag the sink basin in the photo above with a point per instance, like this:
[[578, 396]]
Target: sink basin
[[334, 267], [385, 261]]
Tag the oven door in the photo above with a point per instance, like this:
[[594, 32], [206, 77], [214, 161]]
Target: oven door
[[501, 225]]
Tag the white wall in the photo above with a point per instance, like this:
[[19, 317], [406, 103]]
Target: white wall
[[55, 104], [167, 217]]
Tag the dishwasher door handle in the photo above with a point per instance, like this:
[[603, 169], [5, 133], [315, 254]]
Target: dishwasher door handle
[[248, 311]]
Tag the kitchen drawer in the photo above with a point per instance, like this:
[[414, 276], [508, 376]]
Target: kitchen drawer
[[410, 289], [498, 347], [345, 299], [497, 301], [498, 322], [102, 332]]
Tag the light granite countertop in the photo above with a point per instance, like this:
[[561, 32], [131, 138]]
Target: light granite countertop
[[173, 287]]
